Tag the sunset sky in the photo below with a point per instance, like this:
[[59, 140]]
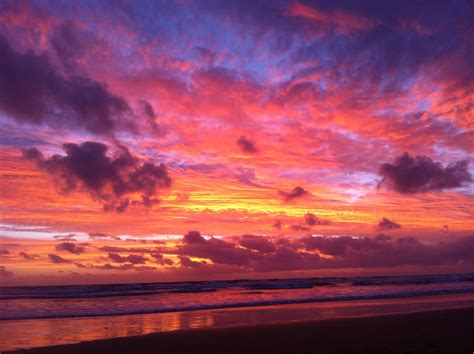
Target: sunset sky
[[176, 140]]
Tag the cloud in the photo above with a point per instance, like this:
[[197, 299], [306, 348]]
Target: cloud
[[297, 192], [5, 273], [69, 44], [133, 258], [115, 249], [68, 237], [188, 263], [122, 267], [299, 228], [256, 243], [277, 224], [28, 256], [4, 252], [70, 247], [349, 22], [102, 235], [263, 254], [387, 224], [109, 179], [58, 259], [194, 237], [150, 115], [315, 252], [33, 91], [420, 174], [160, 259], [313, 220], [383, 251], [218, 251], [246, 145]]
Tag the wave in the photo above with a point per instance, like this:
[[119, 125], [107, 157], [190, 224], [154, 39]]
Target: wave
[[382, 295], [144, 289], [415, 279]]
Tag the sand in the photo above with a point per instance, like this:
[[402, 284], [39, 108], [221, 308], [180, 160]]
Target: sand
[[444, 331]]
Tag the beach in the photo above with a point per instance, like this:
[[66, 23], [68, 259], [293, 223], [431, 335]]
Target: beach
[[67, 332], [443, 331]]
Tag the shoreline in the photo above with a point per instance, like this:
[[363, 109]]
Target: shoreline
[[270, 303], [416, 332]]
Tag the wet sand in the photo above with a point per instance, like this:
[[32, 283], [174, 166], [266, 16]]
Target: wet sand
[[444, 331]]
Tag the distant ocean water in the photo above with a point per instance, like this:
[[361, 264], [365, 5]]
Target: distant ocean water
[[21, 303]]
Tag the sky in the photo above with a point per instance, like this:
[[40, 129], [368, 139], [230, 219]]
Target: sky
[[188, 140]]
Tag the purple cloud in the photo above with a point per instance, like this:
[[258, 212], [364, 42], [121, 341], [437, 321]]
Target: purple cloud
[[28, 256], [108, 179], [420, 174], [313, 220], [387, 224], [33, 91], [71, 247], [246, 145], [54, 258], [133, 258], [297, 192], [256, 243]]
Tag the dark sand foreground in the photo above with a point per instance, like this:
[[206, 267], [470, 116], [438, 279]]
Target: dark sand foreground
[[445, 331]]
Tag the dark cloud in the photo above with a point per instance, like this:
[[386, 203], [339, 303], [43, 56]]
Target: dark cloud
[[334, 246], [217, 250], [410, 175], [188, 263], [101, 235], [160, 259], [133, 258], [194, 237], [58, 259], [299, 228], [69, 44], [115, 249], [28, 256], [71, 247], [256, 243], [297, 192], [149, 110], [382, 237], [4, 252], [68, 237], [122, 267], [313, 220], [150, 116], [108, 179], [33, 91], [246, 145], [277, 224], [383, 251], [5, 273], [387, 224], [263, 254]]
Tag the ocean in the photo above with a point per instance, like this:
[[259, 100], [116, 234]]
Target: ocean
[[46, 315]]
